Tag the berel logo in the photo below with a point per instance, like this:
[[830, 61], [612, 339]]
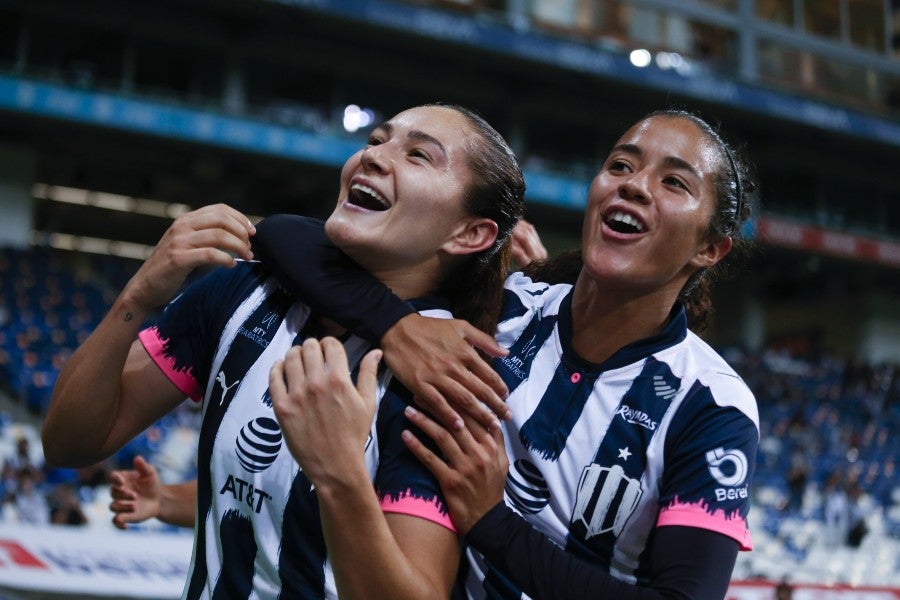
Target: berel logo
[[18, 555], [728, 467]]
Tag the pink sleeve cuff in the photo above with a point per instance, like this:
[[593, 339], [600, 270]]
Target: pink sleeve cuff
[[407, 504], [698, 515], [183, 379]]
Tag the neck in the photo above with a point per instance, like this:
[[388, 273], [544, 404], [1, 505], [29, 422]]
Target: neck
[[604, 321], [407, 283]]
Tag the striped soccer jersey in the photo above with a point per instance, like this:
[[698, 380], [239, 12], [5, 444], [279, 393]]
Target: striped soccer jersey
[[663, 433], [259, 532]]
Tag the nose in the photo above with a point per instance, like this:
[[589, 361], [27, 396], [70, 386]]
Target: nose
[[375, 158], [636, 187]]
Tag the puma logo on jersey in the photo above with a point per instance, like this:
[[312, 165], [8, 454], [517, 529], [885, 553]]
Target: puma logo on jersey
[[220, 378]]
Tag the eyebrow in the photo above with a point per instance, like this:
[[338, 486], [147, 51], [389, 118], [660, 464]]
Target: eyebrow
[[671, 161], [415, 134]]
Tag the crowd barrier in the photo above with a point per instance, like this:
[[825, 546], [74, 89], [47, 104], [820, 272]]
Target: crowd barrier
[[70, 562]]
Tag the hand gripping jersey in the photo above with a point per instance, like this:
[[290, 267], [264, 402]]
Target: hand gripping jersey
[[663, 433], [259, 532]]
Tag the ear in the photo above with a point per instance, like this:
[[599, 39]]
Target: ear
[[471, 235], [712, 253]]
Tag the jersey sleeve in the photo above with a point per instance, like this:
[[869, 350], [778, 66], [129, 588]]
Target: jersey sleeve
[[404, 485], [710, 458], [183, 340], [314, 270]]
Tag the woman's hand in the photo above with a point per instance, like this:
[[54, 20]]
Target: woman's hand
[[324, 418], [438, 360], [526, 244], [136, 494], [209, 236], [474, 471]]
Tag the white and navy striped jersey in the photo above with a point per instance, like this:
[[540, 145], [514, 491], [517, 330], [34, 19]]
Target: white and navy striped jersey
[[662, 433], [258, 531]]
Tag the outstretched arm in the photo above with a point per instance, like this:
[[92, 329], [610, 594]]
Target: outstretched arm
[[472, 475], [110, 389], [139, 495], [326, 422]]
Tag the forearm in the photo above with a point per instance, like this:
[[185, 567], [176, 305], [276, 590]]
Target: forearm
[[373, 565], [543, 570], [178, 504], [329, 282], [78, 429]]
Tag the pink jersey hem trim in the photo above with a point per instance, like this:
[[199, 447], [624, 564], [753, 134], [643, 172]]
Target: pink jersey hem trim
[[155, 347], [696, 515], [417, 507]]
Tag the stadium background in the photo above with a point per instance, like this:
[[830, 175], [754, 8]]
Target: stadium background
[[115, 117]]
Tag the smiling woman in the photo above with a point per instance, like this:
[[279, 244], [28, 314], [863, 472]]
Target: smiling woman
[[293, 467]]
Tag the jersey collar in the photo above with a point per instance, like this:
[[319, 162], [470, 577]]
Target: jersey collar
[[674, 332]]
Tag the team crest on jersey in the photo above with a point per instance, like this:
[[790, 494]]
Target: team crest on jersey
[[257, 444], [606, 499]]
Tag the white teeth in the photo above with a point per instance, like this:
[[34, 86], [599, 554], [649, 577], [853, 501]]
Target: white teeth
[[627, 219], [367, 190]]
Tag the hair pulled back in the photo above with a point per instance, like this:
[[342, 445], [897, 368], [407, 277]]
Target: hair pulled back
[[497, 192]]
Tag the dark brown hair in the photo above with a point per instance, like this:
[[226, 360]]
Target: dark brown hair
[[735, 190], [475, 287]]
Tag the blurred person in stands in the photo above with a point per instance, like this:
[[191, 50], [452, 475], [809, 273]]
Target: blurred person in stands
[[65, 507], [857, 527], [428, 205], [30, 505], [18, 461], [631, 440], [836, 509], [784, 590]]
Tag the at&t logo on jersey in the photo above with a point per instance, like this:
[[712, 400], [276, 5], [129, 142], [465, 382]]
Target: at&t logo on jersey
[[606, 499], [257, 444], [729, 468], [526, 487]]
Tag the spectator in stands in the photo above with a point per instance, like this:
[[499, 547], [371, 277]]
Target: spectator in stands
[[430, 202], [797, 478], [857, 527], [29, 502], [65, 507], [784, 590], [21, 460], [836, 509]]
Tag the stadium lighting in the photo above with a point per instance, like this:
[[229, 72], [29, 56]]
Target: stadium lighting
[[356, 118], [92, 245], [129, 204], [669, 60], [117, 202], [640, 57]]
